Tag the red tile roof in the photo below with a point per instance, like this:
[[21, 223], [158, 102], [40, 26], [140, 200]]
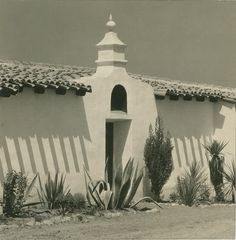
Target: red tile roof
[[187, 90], [15, 75]]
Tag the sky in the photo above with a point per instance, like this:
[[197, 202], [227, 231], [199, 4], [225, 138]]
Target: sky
[[191, 40]]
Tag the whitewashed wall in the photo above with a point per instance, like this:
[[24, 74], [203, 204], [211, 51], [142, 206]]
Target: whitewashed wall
[[49, 133], [44, 133], [225, 128], [193, 124]]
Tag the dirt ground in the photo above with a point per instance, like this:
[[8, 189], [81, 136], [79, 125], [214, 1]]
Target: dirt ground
[[172, 222]]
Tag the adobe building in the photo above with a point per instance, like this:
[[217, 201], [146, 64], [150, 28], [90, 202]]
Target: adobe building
[[61, 118]]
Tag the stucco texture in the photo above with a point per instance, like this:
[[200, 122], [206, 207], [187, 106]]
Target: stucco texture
[[48, 132]]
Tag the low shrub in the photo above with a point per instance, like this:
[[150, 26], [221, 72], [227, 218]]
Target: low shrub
[[79, 200], [69, 202], [16, 191], [189, 186], [203, 193], [13, 193], [91, 210], [65, 203], [174, 197]]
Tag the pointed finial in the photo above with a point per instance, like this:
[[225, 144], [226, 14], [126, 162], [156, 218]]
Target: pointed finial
[[110, 24]]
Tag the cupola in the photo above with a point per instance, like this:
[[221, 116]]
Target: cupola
[[111, 50]]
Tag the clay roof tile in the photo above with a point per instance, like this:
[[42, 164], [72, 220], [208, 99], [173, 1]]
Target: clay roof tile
[[52, 75]]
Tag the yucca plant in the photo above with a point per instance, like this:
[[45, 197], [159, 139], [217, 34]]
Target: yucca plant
[[54, 189], [188, 186], [229, 174], [216, 166], [124, 186]]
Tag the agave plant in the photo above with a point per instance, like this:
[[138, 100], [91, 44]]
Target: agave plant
[[229, 174], [216, 166], [53, 190], [124, 186], [188, 186]]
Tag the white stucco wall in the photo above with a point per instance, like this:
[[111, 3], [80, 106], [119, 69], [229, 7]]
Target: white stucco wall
[[49, 132], [193, 124], [225, 128], [41, 133], [190, 124], [131, 129]]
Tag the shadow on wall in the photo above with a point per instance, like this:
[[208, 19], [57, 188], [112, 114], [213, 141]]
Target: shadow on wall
[[225, 128], [191, 125], [220, 118], [41, 133]]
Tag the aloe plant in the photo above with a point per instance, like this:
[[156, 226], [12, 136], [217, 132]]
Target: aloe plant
[[229, 174], [216, 166], [124, 186], [53, 190]]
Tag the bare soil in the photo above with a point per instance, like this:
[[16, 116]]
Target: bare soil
[[172, 222]]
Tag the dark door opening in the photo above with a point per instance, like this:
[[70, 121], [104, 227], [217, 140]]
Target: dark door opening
[[109, 150]]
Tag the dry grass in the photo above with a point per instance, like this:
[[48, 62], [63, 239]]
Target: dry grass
[[173, 222]]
